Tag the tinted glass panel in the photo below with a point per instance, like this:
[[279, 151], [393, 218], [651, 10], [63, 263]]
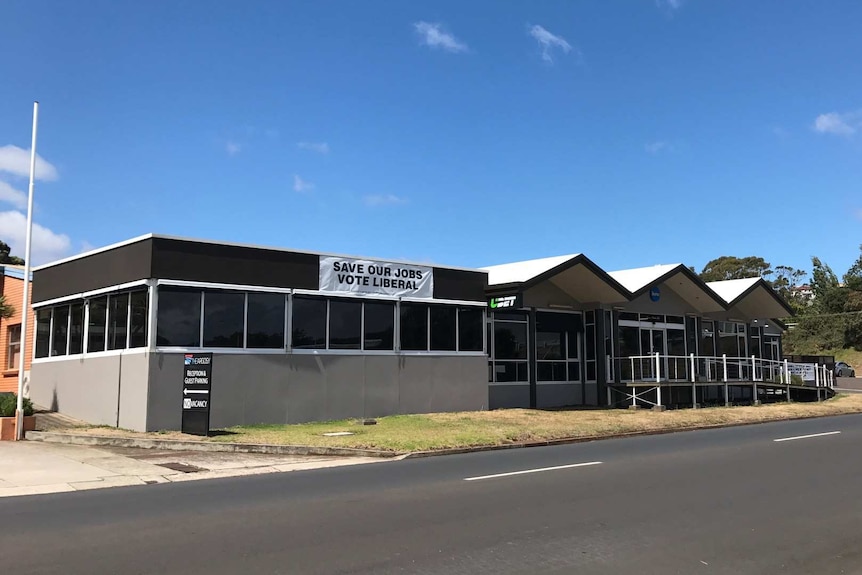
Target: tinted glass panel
[[76, 331], [574, 371], [345, 324], [628, 316], [309, 323], [60, 330], [139, 301], [510, 340], [674, 319], [591, 371], [379, 325], [179, 318], [414, 326], [96, 326], [265, 321], [509, 371], [224, 313], [470, 329], [551, 371], [118, 319], [590, 343], [549, 345], [43, 332], [443, 328], [510, 316]]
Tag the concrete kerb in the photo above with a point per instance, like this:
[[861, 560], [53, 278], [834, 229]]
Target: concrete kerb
[[270, 449], [180, 445]]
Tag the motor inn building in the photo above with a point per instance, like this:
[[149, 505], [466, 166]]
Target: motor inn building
[[300, 336]]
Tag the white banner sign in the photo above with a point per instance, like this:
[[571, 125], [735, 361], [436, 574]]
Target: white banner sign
[[348, 275], [803, 370]]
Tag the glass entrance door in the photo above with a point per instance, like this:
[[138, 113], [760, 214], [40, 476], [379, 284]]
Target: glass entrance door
[[652, 342]]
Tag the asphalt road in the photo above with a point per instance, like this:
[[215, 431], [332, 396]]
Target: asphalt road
[[719, 501]]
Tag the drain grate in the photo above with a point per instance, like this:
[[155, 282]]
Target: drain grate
[[182, 467]]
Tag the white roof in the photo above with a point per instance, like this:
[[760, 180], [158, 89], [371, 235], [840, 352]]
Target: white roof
[[638, 278], [517, 272], [729, 290]]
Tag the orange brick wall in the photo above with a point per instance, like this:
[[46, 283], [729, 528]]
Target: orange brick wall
[[13, 289]]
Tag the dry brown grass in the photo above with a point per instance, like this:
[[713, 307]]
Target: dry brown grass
[[410, 433]]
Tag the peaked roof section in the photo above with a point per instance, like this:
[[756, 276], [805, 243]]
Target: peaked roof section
[[575, 274], [679, 277], [753, 297]]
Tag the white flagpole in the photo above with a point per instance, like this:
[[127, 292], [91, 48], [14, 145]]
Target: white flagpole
[[25, 306]]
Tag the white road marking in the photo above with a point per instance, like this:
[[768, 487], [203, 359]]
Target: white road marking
[[532, 471], [807, 436]]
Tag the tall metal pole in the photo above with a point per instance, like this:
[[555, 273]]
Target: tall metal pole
[[25, 305]]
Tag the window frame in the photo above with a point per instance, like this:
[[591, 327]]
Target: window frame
[[10, 363]]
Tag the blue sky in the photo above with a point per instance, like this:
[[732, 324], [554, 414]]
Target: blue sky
[[462, 133]]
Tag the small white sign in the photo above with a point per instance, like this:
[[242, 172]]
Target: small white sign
[[803, 370], [349, 275]]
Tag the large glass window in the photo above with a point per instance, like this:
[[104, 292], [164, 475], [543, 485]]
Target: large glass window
[[98, 310], [379, 326], [60, 330], [470, 329], [118, 320], [76, 329], [443, 328], [139, 315], [43, 332], [510, 340], [224, 315], [309, 323], [414, 327], [345, 324], [13, 352], [265, 321], [179, 318]]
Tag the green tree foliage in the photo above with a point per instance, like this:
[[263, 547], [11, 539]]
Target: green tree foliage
[[6, 310], [6, 258], [734, 268]]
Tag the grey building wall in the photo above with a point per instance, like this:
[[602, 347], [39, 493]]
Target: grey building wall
[[295, 388], [90, 388], [502, 396]]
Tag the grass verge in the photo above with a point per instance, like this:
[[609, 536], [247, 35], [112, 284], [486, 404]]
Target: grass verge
[[436, 431]]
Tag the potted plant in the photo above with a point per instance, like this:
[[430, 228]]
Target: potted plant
[[8, 405]]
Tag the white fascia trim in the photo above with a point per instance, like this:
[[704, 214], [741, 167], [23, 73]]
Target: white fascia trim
[[90, 355], [88, 294], [235, 287], [95, 251], [507, 383], [464, 302], [348, 295]]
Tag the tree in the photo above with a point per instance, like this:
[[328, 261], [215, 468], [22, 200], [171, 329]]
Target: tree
[[6, 310], [733, 268], [6, 258]]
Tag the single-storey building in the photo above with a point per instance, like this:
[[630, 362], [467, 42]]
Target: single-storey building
[[142, 333]]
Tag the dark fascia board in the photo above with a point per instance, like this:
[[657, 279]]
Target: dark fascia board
[[587, 263], [690, 275], [763, 283]]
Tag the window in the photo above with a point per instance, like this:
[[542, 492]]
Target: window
[[96, 325], [43, 332], [379, 326], [179, 318], [13, 336], [265, 322], [139, 304], [309, 323], [345, 324], [76, 329], [414, 327], [224, 316], [443, 332], [470, 329], [60, 330], [118, 320]]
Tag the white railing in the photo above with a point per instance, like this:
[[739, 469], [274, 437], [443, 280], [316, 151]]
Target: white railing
[[720, 369]]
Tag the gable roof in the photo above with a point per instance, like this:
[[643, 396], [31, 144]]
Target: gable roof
[[679, 277], [753, 297]]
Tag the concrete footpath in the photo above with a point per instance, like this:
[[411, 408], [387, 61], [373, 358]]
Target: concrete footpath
[[31, 468]]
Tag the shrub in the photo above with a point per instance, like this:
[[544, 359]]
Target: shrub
[[9, 403]]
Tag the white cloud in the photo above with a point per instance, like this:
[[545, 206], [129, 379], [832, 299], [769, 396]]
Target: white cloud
[[232, 148], [300, 185], [383, 200], [46, 246], [669, 4], [656, 147], [10, 195], [841, 124], [319, 147], [16, 161], [434, 36], [548, 42]]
